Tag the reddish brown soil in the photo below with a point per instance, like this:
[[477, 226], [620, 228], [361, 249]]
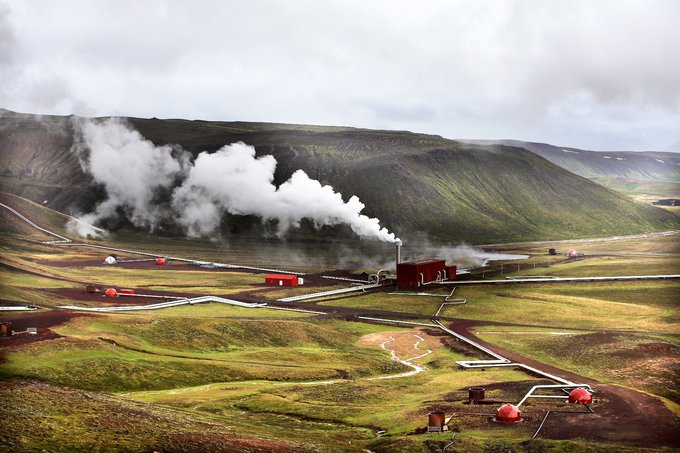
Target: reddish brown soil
[[80, 295], [622, 414], [40, 319], [17, 340]]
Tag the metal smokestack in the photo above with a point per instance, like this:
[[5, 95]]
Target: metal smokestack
[[397, 243]]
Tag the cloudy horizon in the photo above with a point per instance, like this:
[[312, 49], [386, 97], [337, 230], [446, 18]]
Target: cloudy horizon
[[599, 76]]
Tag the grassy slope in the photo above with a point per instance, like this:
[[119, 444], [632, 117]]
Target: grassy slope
[[644, 176], [157, 352], [412, 182], [462, 192], [638, 166]]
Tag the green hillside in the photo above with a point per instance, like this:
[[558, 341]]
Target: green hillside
[[418, 185], [646, 176]]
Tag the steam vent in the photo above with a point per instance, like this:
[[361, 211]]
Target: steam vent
[[580, 396], [508, 413]]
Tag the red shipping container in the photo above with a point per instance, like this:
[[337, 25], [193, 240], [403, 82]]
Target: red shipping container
[[281, 279]]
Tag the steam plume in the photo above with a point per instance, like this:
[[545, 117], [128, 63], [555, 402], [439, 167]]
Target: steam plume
[[132, 170], [231, 180]]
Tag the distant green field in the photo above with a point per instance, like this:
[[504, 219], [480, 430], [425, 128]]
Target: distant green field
[[575, 306]]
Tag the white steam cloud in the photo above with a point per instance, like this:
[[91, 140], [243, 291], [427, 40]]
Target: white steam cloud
[[231, 180], [131, 169]]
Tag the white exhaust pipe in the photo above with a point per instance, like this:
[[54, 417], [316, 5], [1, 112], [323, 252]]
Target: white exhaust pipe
[[397, 243]]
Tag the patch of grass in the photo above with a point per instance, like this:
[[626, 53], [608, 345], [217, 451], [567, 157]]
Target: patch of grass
[[39, 417], [552, 305], [135, 353], [383, 301]]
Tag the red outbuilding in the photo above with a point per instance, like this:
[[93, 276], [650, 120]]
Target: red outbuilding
[[508, 413], [111, 292], [580, 396], [281, 280], [160, 261], [126, 291], [413, 274]]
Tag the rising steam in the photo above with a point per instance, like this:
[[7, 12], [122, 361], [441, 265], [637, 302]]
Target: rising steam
[[232, 180], [132, 170]]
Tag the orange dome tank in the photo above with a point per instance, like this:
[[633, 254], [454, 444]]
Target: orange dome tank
[[508, 413], [580, 396]]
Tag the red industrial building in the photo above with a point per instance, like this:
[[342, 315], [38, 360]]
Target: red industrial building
[[417, 273], [281, 280]]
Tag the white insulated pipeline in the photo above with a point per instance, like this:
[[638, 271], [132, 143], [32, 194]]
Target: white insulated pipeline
[[501, 361]]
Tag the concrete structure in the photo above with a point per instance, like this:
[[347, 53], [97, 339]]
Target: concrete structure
[[90, 288], [5, 329], [436, 421], [476, 394], [281, 280]]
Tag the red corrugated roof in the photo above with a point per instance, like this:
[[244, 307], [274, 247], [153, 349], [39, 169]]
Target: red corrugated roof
[[420, 262], [282, 276]]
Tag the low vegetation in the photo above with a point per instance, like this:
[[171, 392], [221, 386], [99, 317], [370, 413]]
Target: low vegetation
[[214, 377]]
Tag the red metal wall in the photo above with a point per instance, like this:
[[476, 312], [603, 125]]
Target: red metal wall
[[281, 280], [408, 274]]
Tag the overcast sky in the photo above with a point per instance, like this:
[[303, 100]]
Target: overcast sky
[[593, 74]]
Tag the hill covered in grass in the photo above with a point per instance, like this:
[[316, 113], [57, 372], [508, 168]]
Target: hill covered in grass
[[418, 185], [634, 173]]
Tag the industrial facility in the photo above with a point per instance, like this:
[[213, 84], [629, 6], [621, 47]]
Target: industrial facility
[[414, 274]]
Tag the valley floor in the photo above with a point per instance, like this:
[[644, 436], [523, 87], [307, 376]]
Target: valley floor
[[318, 375]]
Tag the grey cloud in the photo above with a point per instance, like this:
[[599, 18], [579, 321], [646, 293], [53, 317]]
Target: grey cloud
[[571, 72]]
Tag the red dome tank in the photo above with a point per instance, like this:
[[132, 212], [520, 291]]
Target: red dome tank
[[160, 261], [111, 292], [508, 413], [580, 396]]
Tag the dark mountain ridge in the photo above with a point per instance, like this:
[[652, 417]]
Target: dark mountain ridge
[[416, 184]]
